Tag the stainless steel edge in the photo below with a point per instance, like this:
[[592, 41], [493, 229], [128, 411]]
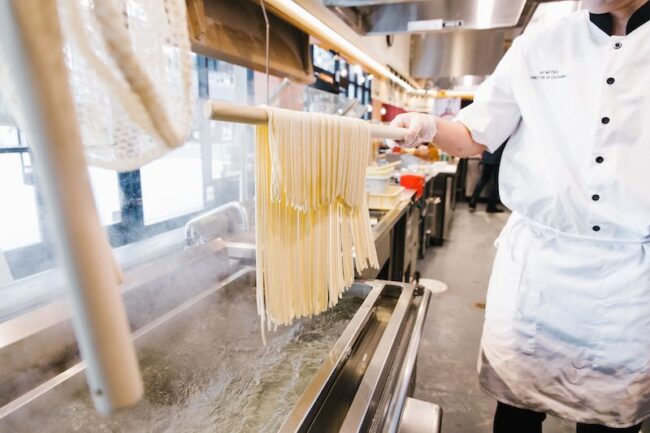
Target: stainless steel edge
[[420, 417], [54, 308], [398, 401], [326, 374], [360, 407], [392, 216]]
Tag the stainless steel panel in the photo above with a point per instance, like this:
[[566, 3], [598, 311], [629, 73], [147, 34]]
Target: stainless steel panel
[[472, 176], [358, 3], [394, 17], [412, 242], [361, 410], [455, 54], [449, 205], [406, 369], [307, 408], [383, 254], [433, 205], [367, 388], [420, 417]]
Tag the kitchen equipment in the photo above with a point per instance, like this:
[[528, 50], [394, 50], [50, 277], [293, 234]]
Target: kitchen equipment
[[378, 184], [387, 200], [351, 368], [413, 181]]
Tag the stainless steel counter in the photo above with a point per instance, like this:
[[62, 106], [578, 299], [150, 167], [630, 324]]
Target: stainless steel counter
[[389, 218]]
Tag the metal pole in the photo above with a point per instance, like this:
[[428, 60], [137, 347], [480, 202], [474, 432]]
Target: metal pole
[[31, 38]]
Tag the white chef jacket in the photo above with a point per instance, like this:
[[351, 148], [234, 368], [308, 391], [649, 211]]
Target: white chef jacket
[[567, 326]]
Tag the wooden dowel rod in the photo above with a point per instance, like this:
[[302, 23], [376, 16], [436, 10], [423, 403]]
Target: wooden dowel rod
[[229, 112]]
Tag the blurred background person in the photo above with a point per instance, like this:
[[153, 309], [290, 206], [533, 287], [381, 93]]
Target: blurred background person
[[489, 176]]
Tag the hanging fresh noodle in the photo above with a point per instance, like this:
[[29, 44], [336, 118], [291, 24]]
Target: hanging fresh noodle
[[312, 221]]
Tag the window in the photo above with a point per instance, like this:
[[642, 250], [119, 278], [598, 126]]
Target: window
[[324, 59], [334, 75], [172, 186], [106, 190], [214, 167], [19, 213]]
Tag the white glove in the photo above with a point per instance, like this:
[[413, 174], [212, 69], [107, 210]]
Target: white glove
[[422, 128]]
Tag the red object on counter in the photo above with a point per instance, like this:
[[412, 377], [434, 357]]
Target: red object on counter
[[413, 181], [391, 112]]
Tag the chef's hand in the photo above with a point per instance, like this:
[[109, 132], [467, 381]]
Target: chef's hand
[[422, 128]]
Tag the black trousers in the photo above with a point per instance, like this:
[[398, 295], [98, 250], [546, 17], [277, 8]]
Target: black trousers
[[509, 419], [488, 172]]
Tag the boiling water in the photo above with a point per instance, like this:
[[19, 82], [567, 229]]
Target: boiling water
[[206, 370]]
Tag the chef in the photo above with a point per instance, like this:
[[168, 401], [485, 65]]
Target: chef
[[567, 325]]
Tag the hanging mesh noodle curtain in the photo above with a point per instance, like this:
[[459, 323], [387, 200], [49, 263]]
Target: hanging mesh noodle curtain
[[130, 75]]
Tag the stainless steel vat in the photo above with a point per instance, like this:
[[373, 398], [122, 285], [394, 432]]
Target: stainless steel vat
[[206, 370]]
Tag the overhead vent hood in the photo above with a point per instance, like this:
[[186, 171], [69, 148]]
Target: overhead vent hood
[[456, 54], [408, 16], [451, 39]]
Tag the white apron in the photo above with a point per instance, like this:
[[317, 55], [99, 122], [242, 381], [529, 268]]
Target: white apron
[[567, 327]]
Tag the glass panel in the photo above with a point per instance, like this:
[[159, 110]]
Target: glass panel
[[304, 98], [145, 212], [9, 136], [19, 220], [358, 111], [172, 186], [107, 194], [324, 59], [29, 273], [351, 91]]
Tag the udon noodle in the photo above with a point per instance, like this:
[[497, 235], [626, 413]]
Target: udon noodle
[[312, 221]]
